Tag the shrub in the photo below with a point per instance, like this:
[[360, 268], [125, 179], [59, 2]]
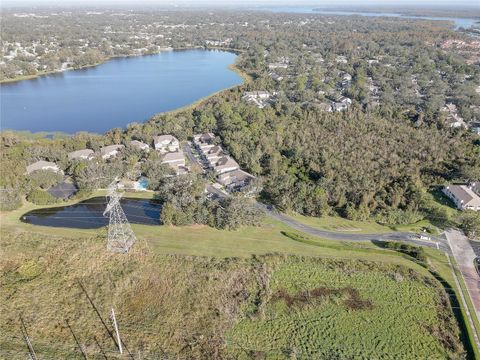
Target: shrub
[[398, 217], [41, 197], [44, 179], [9, 199]]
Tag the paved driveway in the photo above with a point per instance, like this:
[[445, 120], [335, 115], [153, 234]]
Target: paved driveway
[[464, 255]]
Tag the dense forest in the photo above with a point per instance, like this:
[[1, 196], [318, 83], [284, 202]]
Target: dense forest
[[379, 159]]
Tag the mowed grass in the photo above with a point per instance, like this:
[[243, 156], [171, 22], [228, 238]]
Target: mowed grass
[[339, 224], [405, 317]]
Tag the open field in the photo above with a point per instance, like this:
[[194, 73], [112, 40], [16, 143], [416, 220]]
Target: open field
[[209, 307], [198, 292]]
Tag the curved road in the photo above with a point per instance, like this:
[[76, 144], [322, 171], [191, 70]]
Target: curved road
[[332, 235]]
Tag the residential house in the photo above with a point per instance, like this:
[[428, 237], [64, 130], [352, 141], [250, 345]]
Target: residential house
[[275, 76], [166, 143], [463, 196], [475, 127], [175, 159], [278, 65], [206, 138], [454, 120], [85, 154], [341, 103], [346, 78], [475, 186], [110, 151], [140, 145], [43, 165], [234, 180], [225, 164], [258, 98]]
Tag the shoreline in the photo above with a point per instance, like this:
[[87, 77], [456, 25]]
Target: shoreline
[[246, 78], [104, 61]]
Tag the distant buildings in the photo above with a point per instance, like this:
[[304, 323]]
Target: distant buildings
[[259, 98], [453, 119], [277, 65], [43, 165], [225, 42], [464, 196], [341, 103], [475, 127]]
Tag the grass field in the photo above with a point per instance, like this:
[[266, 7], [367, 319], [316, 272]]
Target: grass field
[[201, 293], [339, 224]]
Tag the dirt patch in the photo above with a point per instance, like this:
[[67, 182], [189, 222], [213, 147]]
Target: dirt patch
[[352, 301]]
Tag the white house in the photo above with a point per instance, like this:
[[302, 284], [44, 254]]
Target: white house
[[463, 196], [166, 143], [85, 154], [43, 165], [110, 151]]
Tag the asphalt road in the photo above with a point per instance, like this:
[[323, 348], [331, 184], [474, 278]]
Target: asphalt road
[[464, 256], [331, 235]]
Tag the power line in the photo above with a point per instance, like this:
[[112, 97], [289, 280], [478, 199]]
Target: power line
[[120, 234]]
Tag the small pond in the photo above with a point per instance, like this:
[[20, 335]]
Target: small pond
[[88, 214]]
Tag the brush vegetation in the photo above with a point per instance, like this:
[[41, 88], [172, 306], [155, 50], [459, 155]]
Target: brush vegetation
[[198, 307]]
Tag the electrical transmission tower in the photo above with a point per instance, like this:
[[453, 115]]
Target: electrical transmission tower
[[120, 235]]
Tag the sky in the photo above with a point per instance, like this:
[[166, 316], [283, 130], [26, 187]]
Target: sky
[[333, 3]]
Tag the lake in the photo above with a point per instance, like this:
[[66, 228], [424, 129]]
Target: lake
[[118, 92], [88, 214], [458, 22]]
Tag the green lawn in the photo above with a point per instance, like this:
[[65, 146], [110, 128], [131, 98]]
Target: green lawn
[[339, 224]]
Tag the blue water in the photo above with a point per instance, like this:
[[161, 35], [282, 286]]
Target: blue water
[[116, 93], [458, 22], [88, 214]]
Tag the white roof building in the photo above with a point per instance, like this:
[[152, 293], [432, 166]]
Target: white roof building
[[463, 196], [42, 165], [110, 151], [85, 154], [166, 143]]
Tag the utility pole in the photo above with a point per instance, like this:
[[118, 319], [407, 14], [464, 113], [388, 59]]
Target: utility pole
[[119, 341], [31, 351], [120, 234]]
